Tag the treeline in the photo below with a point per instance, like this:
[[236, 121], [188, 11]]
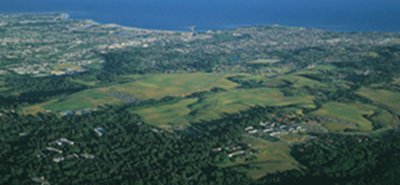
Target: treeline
[[31, 90], [30, 84], [340, 159]]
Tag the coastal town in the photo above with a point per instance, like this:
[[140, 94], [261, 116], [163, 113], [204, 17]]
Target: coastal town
[[53, 44]]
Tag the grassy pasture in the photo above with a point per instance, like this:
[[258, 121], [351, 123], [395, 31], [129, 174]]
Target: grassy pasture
[[68, 105], [95, 95], [333, 126], [172, 84], [299, 81], [146, 87], [81, 100], [390, 99], [350, 112], [271, 158], [384, 119], [215, 105], [167, 115]]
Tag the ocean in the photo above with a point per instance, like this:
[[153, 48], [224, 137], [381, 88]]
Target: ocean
[[177, 15]]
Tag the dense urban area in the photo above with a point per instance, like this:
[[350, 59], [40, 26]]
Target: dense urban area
[[86, 103]]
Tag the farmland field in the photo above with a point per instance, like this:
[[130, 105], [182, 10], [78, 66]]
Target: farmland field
[[81, 100], [391, 99], [70, 105], [214, 106], [384, 119], [163, 85], [167, 115], [350, 112], [333, 126], [299, 81]]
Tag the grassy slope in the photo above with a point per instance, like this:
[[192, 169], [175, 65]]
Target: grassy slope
[[272, 157], [70, 105], [391, 99], [347, 112], [167, 115], [237, 100], [162, 85]]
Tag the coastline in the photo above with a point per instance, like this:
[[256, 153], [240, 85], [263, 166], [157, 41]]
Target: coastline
[[65, 15]]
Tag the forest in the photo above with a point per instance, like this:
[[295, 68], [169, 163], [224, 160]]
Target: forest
[[144, 155]]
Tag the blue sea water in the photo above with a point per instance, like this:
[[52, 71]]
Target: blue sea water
[[338, 15]]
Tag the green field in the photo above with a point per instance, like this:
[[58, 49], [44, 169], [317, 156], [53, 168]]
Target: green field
[[390, 99], [324, 67], [171, 84], [167, 116], [271, 158], [333, 126], [350, 112], [70, 105], [96, 95], [215, 105], [299, 81], [81, 100], [384, 119]]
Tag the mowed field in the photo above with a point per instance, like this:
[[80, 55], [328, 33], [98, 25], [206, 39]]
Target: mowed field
[[215, 105], [350, 112], [271, 158], [390, 99], [167, 116]]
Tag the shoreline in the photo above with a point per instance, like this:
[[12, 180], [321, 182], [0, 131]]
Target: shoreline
[[65, 15]]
